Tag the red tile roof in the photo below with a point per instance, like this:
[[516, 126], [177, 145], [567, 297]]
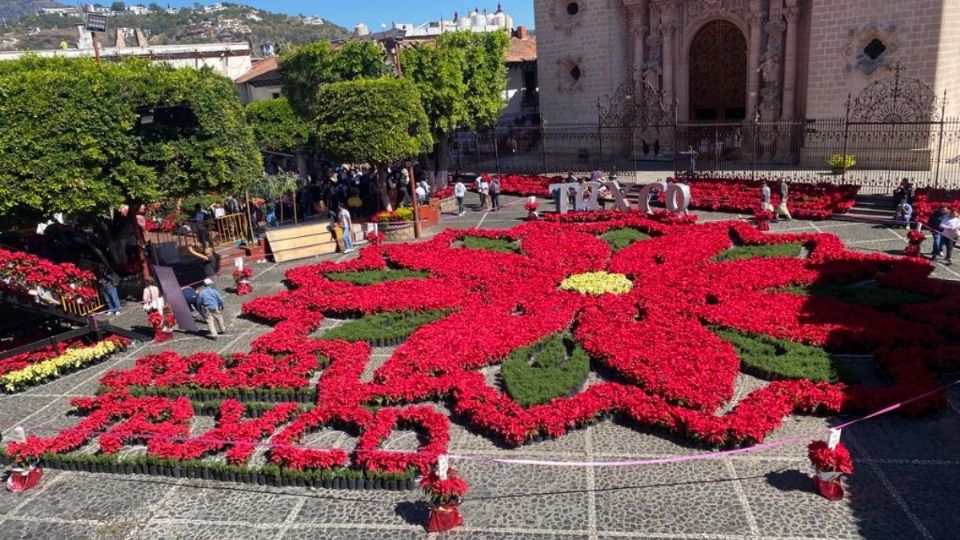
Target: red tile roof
[[266, 68], [522, 50]]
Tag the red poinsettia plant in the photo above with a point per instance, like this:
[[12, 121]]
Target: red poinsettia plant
[[915, 239], [375, 238], [762, 219], [241, 280], [444, 491], [825, 459]]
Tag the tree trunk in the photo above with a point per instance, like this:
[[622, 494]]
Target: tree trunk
[[439, 161], [139, 237], [382, 187]]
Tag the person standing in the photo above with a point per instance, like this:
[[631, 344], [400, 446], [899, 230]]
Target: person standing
[[484, 194], [765, 197], [692, 155], [950, 231], [152, 299], [459, 191], [210, 258], [495, 194], [783, 210], [933, 223], [108, 281], [210, 304], [202, 234], [346, 223]]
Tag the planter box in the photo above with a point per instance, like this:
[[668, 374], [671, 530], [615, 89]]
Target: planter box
[[449, 205], [398, 233]]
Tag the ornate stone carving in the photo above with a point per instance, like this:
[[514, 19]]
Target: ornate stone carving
[[570, 75], [871, 48], [712, 8]]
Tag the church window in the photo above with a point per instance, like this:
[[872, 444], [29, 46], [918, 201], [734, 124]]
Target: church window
[[573, 8], [874, 49], [575, 73]]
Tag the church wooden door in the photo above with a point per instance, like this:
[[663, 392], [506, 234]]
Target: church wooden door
[[718, 73]]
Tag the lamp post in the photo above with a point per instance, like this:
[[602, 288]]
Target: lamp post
[[416, 201], [756, 143]]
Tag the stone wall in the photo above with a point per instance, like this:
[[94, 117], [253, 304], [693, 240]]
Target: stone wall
[[591, 40], [909, 29]]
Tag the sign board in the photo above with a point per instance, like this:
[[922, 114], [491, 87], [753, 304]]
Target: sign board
[[443, 466], [96, 23], [173, 294], [834, 438]]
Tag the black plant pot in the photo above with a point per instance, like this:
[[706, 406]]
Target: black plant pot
[[98, 468], [377, 483], [351, 483], [337, 483], [245, 478], [391, 485], [261, 480], [151, 469], [206, 474], [114, 468], [411, 484], [127, 469], [327, 483]]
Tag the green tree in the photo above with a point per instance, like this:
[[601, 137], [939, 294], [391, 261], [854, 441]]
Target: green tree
[[462, 80], [275, 125], [375, 121], [83, 139], [118, 6], [307, 68]]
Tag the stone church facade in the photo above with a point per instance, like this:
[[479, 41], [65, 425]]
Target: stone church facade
[[726, 61]]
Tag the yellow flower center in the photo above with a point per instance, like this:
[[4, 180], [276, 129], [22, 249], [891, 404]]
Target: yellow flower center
[[597, 283]]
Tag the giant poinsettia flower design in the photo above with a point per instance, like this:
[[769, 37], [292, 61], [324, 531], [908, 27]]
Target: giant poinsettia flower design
[[668, 368], [671, 370]]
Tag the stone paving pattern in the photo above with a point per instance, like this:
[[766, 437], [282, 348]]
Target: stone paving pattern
[[905, 485]]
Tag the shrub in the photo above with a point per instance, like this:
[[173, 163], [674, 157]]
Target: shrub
[[558, 369], [762, 251], [493, 244], [388, 326], [369, 277], [621, 238], [771, 358]]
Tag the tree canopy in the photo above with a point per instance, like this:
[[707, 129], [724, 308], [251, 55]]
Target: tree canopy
[[275, 125], [81, 138], [371, 120], [461, 78], [307, 68]]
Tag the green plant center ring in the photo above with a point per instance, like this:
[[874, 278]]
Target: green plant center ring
[[597, 283]]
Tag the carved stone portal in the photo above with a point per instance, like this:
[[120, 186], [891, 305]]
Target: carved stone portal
[[718, 73]]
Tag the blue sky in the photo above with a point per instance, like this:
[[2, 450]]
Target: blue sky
[[373, 13]]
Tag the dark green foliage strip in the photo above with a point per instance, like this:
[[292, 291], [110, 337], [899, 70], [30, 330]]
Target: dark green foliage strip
[[492, 244], [772, 358], [387, 326], [558, 369], [621, 238], [871, 295], [761, 251], [369, 277]]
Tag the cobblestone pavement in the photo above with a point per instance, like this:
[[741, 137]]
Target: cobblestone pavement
[[904, 485]]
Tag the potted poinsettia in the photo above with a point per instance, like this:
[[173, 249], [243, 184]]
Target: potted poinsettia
[[163, 323], [26, 471], [241, 280], [915, 239], [762, 218], [831, 464], [446, 496]]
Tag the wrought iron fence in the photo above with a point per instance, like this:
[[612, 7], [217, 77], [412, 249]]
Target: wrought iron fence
[[885, 152]]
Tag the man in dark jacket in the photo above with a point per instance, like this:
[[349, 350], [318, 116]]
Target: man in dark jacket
[[933, 223]]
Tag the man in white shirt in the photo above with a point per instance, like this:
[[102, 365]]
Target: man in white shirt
[[421, 193], [459, 191], [345, 222], [950, 233]]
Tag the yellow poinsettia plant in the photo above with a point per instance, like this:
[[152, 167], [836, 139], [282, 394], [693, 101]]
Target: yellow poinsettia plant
[[75, 358], [597, 283]]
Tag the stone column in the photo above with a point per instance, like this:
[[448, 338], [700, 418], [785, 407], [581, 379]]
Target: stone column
[[757, 17], [790, 62], [667, 29], [637, 11]]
